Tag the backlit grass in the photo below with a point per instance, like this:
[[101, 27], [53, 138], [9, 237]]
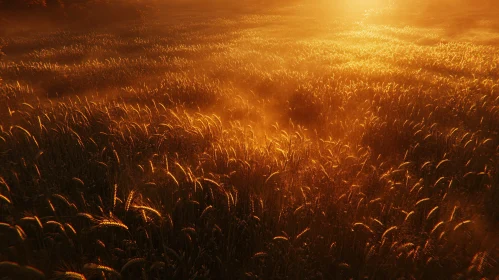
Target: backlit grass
[[269, 146]]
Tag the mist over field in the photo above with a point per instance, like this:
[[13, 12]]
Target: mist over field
[[196, 139]]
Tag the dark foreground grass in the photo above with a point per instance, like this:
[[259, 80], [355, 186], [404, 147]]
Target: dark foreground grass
[[270, 146]]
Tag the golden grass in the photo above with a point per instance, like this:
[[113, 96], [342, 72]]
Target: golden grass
[[268, 146]]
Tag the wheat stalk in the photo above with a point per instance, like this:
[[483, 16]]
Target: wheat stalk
[[5, 199], [301, 234], [67, 275], [110, 224], [132, 262], [150, 209], [129, 200], [282, 238], [363, 226], [388, 231], [102, 268]]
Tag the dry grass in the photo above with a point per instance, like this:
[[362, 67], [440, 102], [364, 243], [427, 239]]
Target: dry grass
[[268, 146]]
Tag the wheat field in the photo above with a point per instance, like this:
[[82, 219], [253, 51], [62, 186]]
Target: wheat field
[[269, 145]]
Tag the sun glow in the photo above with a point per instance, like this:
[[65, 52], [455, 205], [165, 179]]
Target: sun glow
[[352, 7], [363, 5]]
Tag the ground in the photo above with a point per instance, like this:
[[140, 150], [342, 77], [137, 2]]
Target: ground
[[285, 144]]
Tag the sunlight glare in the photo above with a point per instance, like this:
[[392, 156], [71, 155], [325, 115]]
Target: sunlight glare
[[357, 6]]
